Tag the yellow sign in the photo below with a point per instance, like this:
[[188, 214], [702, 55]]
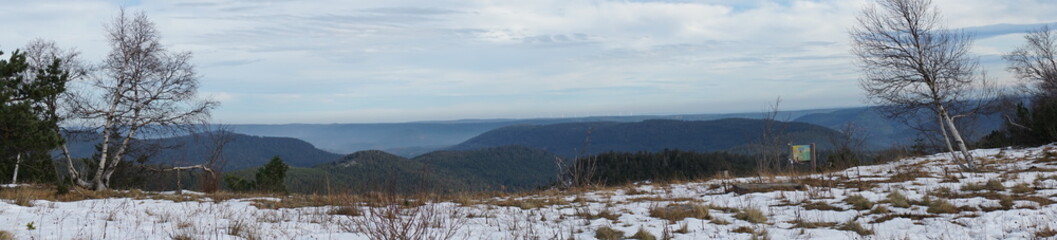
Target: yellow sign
[[801, 153]]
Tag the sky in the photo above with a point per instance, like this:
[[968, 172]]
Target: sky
[[280, 61]]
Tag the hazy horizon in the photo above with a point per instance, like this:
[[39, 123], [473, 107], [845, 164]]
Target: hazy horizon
[[278, 62]]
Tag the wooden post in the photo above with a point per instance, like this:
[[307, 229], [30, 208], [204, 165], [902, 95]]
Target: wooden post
[[814, 158]]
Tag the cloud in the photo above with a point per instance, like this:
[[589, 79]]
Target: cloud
[[994, 30], [343, 61]]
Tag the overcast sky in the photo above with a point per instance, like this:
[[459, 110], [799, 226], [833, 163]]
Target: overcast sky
[[281, 61]]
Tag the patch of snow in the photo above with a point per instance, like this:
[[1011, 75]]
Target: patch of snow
[[124, 218]]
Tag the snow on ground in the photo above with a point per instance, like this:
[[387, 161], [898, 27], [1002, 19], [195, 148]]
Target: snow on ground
[[1021, 208]]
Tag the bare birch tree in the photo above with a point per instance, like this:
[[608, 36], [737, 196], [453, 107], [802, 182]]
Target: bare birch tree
[[41, 53], [140, 86], [1036, 62], [911, 62]]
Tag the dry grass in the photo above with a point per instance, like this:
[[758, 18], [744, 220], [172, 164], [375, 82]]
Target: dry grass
[[761, 234], [752, 215], [642, 234], [905, 174], [897, 199], [1048, 156], [854, 226], [942, 206], [530, 203], [1006, 202], [719, 221], [661, 199], [946, 193], [684, 228], [943, 192], [346, 211], [840, 181], [242, 229], [858, 202], [605, 213], [994, 185], [1022, 188], [607, 233], [50, 193], [821, 206], [5, 235], [679, 212], [632, 190], [904, 215], [743, 229], [880, 209], [809, 224], [1045, 232], [991, 185]]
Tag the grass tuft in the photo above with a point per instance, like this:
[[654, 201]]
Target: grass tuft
[[858, 202], [806, 224], [679, 212], [642, 234], [1005, 201], [684, 228], [743, 229], [821, 206], [880, 209], [994, 185], [855, 227], [938, 206], [1022, 188], [1045, 232], [897, 199], [607, 233], [752, 215]]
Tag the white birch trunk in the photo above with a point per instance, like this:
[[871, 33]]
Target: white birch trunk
[[14, 176], [957, 138]]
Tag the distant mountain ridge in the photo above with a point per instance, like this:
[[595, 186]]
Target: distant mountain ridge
[[506, 168], [571, 139], [416, 138], [243, 151], [882, 131]]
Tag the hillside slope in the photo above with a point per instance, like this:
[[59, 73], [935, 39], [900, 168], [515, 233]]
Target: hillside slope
[[568, 139], [415, 138], [507, 168], [243, 151], [1012, 197]]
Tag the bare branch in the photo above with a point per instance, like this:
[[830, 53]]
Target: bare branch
[[142, 87], [910, 61]]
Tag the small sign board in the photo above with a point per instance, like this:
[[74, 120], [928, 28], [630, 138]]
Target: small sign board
[[801, 153]]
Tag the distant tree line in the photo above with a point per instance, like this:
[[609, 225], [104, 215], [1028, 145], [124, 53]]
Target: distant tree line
[[614, 168], [1033, 121]]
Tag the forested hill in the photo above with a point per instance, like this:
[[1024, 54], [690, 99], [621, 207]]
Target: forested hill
[[507, 168], [568, 139], [415, 138], [243, 151]]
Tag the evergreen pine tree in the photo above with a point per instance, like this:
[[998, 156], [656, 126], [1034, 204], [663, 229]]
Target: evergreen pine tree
[[270, 177]]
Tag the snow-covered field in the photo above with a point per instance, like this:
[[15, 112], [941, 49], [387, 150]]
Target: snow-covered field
[[1018, 209]]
